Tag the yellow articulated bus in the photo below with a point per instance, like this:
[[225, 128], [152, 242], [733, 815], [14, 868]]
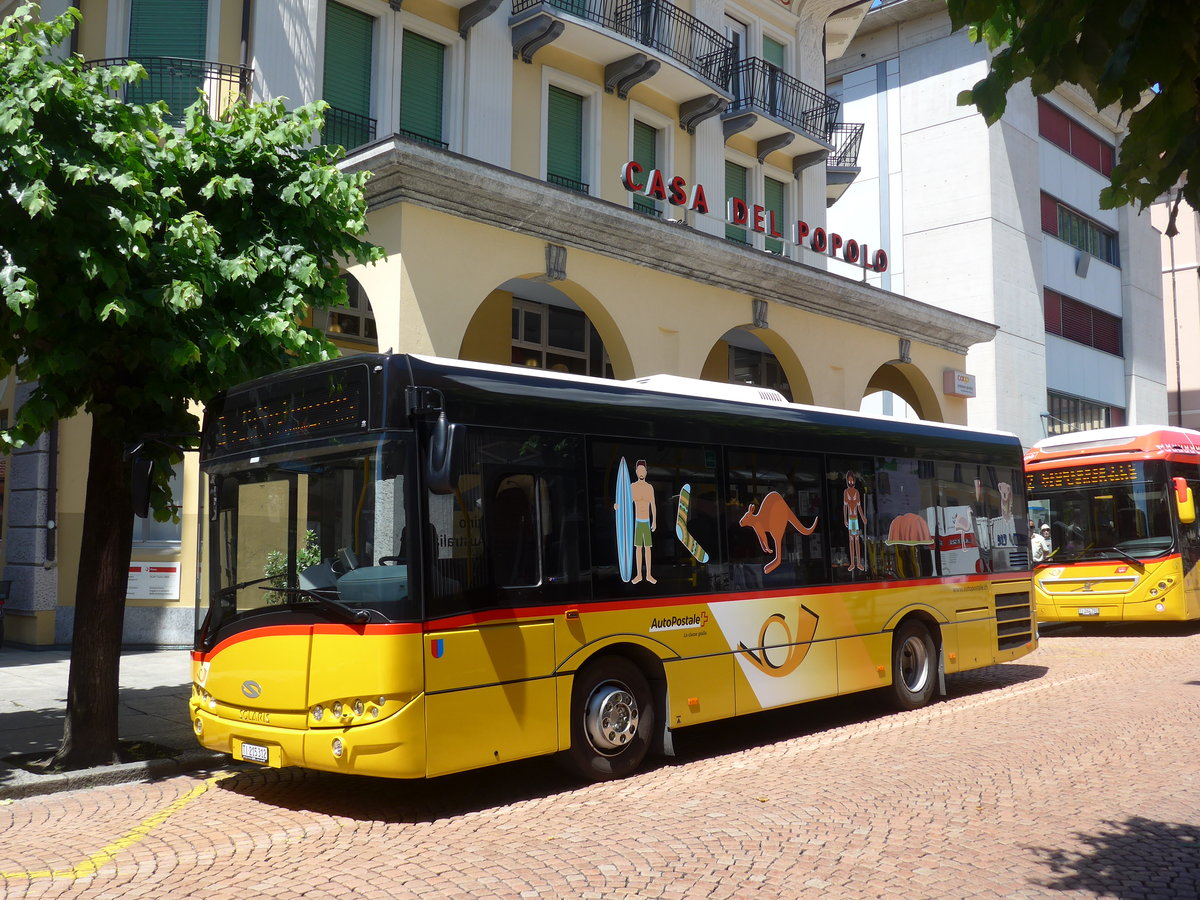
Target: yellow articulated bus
[[1117, 509], [417, 566]]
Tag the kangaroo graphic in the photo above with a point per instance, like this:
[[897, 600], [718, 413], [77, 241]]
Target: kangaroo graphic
[[773, 517]]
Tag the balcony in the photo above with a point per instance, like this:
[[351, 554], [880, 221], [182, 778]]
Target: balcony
[[841, 166], [178, 81], [636, 41], [347, 129], [779, 113]]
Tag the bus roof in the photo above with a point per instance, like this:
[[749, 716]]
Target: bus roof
[[1130, 442]]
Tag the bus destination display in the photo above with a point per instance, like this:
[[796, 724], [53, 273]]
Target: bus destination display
[[1083, 476]]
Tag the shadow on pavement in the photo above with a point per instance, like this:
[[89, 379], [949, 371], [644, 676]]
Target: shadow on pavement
[[1119, 629], [396, 801], [1132, 859]]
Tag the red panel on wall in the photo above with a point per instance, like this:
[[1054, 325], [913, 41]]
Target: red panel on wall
[[1049, 214], [1085, 146], [1053, 125]]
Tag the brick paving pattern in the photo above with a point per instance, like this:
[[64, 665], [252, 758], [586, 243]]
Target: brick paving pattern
[[1072, 773]]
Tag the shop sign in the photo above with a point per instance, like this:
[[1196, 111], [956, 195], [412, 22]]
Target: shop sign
[[754, 217], [958, 384]]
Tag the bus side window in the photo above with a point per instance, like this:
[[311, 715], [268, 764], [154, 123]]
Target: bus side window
[[514, 527]]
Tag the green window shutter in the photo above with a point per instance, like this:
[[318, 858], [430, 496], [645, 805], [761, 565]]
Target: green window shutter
[[773, 194], [564, 151], [168, 28], [735, 186], [422, 84], [348, 40], [645, 154], [774, 52]]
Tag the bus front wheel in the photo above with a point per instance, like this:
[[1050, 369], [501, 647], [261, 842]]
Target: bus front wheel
[[612, 720], [914, 666]]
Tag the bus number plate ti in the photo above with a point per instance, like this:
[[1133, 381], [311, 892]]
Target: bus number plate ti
[[255, 753], [1089, 611]]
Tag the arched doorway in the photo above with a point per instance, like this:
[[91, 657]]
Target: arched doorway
[[901, 390], [742, 356], [530, 323]]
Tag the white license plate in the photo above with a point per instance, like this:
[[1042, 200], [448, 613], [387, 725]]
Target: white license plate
[[255, 753], [1089, 611]]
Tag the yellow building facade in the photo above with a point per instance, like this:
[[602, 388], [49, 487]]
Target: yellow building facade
[[617, 188]]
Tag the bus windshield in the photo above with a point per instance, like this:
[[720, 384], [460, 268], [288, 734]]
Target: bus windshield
[[319, 533], [1105, 519]]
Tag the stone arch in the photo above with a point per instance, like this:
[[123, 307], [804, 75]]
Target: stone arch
[[488, 335], [911, 385], [763, 340]]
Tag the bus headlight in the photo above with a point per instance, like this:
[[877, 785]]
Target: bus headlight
[[1159, 607], [198, 726], [337, 748], [358, 707], [317, 712]]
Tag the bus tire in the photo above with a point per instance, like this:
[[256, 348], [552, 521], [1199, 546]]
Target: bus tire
[[914, 666], [612, 720]]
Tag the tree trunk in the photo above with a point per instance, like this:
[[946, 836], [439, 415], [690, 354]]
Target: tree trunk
[[90, 735]]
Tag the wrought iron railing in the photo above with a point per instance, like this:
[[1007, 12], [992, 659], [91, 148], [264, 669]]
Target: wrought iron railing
[[347, 129], [570, 183], [658, 25], [758, 86], [847, 141], [178, 81], [422, 138]]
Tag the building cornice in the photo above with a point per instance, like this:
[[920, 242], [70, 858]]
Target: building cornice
[[406, 171]]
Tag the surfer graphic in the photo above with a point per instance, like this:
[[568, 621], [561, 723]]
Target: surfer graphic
[[637, 518]]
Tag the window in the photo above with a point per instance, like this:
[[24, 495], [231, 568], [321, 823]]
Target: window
[[557, 338], [564, 135], [645, 154], [422, 88], [735, 186], [1064, 132], [349, 39], [774, 193], [774, 54], [173, 29], [151, 531], [512, 525], [1068, 414], [749, 366], [795, 480], [1079, 231], [643, 494], [1081, 323], [355, 321]]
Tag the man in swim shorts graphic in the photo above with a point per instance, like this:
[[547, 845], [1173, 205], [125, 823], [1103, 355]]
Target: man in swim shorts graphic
[[645, 520], [854, 517]]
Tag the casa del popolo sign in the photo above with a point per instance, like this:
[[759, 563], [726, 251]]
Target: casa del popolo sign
[[676, 192]]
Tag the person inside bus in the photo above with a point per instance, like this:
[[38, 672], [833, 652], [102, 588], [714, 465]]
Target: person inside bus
[[1040, 541]]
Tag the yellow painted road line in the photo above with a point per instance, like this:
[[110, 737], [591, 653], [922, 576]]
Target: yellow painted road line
[[92, 864]]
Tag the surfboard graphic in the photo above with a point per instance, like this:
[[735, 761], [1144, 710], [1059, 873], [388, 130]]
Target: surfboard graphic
[[623, 505], [681, 530]]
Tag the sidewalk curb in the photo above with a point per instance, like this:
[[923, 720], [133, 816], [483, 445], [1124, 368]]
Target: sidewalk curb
[[18, 784]]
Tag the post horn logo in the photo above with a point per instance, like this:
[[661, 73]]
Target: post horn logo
[[794, 646]]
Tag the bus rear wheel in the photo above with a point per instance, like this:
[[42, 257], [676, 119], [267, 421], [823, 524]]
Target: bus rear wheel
[[612, 720], [914, 666]]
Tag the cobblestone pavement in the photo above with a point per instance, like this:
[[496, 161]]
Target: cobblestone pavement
[[1072, 773]]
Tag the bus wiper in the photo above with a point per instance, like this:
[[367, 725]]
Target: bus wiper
[[347, 613], [1133, 559]]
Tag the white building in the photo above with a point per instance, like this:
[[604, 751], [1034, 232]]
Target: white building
[[1003, 224]]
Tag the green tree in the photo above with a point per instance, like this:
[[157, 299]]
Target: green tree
[[143, 266], [1141, 55]]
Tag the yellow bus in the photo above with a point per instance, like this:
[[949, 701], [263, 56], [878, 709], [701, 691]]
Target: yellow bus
[[418, 566], [1123, 540]]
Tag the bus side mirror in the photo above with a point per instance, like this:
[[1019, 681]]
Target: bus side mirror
[[1185, 503], [444, 443]]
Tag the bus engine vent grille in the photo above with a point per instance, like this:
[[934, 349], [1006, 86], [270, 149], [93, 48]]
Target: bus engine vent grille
[[1014, 620]]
